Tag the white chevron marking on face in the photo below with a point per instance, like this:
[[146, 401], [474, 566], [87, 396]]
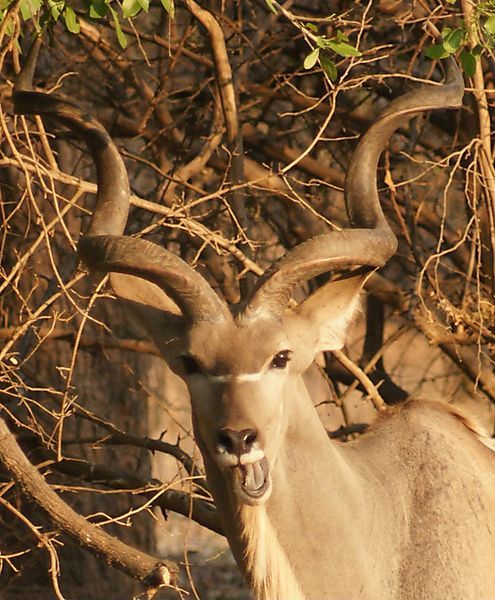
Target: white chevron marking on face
[[242, 377]]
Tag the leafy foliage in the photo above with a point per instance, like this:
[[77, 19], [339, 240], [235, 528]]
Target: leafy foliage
[[453, 40], [48, 12], [339, 45]]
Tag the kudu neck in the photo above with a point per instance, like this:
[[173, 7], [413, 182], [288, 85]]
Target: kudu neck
[[307, 459], [316, 490]]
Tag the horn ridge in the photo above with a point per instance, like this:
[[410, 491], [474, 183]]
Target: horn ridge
[[112, 198], [351, 248], [361, 194]]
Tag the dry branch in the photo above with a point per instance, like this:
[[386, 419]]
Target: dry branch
[[159, 93], [227, 95], [152, 572], [361, 376], [153, 491]]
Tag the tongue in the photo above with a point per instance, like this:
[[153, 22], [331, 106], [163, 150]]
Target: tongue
[[253, 476]]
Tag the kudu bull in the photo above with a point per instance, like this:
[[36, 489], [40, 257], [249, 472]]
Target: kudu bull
[[405, 512]]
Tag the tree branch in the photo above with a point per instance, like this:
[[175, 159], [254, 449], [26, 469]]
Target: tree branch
[[150, 571]]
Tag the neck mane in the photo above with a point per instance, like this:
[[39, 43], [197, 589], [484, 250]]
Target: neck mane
[[271, 575]]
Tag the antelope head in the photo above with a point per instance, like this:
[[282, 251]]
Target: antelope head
[[243, 367], [243, 370]]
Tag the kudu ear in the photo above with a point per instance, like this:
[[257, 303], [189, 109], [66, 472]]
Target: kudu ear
[[156, 313], [329, 311]]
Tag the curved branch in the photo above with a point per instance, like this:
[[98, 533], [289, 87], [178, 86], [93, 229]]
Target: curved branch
[[151, 571], [222, 67]]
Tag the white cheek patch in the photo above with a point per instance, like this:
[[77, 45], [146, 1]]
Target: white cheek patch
[[225, 459]]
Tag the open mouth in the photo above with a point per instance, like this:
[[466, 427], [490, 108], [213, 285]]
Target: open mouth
[[253, 478]]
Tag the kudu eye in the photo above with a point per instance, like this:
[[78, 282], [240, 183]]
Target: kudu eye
[[280, 360], [190, 365]]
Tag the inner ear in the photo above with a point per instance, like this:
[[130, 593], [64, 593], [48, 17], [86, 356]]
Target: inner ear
[[329, 311], [156, 313]]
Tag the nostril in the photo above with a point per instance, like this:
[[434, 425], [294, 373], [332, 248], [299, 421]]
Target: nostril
[[225, 440], [236, 442], [250, 436]]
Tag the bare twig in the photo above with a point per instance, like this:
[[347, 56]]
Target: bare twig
[[361, 376]]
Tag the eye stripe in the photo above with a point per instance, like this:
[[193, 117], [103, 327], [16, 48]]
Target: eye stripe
[[249, 376], [240, 377], [219, 378]]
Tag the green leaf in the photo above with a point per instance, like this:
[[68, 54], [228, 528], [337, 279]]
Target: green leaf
[[45, 19], [477, 50], [169, 6], [451, 1], [55, 9], [328, 66], [121, 37], [28, 8], [271, 6], [453, 41], [311, 27], [436, 51], [310, 60], [130, 8], [490, 25], [98, 9], [321, 41], [341, 36], [71, 21], [446, 31], [343, 49], [468, 62]]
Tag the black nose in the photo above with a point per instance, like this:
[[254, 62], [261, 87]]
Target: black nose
[[236, 442]]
